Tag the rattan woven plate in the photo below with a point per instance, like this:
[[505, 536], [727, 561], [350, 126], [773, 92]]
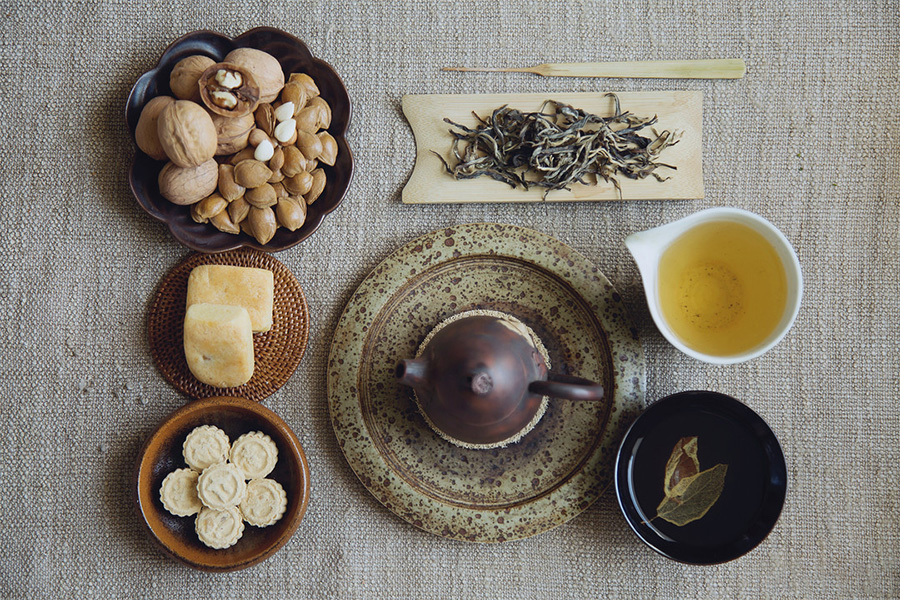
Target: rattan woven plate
[[278, 351]]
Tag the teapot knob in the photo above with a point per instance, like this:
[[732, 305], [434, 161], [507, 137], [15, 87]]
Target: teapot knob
[[481, 383]]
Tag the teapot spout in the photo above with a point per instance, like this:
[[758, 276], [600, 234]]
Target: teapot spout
[[412, 372]]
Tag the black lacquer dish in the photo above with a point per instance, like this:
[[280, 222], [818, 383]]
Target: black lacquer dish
[[728, 433], [294, 56]]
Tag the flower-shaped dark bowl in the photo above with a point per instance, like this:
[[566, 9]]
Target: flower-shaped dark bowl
[[294, 56]]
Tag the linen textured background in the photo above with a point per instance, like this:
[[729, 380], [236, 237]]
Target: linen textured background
[[808, 139]]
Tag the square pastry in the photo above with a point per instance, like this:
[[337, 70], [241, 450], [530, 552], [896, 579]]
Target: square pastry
[[218, 344], [252, 289]]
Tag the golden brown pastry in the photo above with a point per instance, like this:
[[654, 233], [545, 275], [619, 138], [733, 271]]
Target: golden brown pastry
[[218, 344]]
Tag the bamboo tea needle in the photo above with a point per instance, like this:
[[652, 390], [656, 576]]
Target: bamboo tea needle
[[729, 68]]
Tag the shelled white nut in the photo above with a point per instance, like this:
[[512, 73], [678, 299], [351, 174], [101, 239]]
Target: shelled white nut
[[228, 79], [264, 151], [285, 130], [284, 112], [224, 99]]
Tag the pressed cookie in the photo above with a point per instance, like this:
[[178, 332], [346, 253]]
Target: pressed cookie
[[221, 486], [219, 528], [178, 493], [206, 446], [265, 502], [255, 454]]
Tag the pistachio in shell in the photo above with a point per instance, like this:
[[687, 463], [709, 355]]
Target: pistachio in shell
[[245, 154], [294, 92], [306, 82], [229, 90], [186, 133], [195, 214], [188, 185], [262, 224], [280, 192], [308, 119], [228, 187], [146, 134], [265, 119], [291, 212], [294, 161], [209, 207], [318, 186], [265, 68], [324, 111], [309, 144], [251, 173], [262, 196], [329, 148], [186, 74], [257, 137], [277, 160], [299, 184], [222, 221], [238, 210]]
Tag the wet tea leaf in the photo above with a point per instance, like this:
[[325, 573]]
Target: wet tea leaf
[[683, 463], [699, 493]]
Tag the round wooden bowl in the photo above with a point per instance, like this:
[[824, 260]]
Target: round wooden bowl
[[162, 454]]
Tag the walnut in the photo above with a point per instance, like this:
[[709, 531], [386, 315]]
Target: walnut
[[232, 133], [229, 90], [145, 134], [187, 134], [265, 68], [186, 74], [188, 185]]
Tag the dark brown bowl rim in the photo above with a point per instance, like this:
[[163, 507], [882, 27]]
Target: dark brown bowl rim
[[339, 134], [296, 454]]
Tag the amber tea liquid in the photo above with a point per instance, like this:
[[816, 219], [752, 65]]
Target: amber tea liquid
[[722, 288]]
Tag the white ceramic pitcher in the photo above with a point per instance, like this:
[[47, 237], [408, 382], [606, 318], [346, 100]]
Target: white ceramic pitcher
[[648, 246]]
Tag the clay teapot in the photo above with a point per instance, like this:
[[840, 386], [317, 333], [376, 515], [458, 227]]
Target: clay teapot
[[482, 381]]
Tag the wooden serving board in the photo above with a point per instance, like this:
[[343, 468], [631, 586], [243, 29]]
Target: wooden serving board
[[431, 184]]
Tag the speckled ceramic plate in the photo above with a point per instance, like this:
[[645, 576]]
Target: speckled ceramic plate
[[561, 466]]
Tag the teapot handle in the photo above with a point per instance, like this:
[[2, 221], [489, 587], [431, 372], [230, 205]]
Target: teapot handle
[[568, 387]]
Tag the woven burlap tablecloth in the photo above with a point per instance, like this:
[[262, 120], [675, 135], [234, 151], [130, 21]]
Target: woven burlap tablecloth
[[807, 139]]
